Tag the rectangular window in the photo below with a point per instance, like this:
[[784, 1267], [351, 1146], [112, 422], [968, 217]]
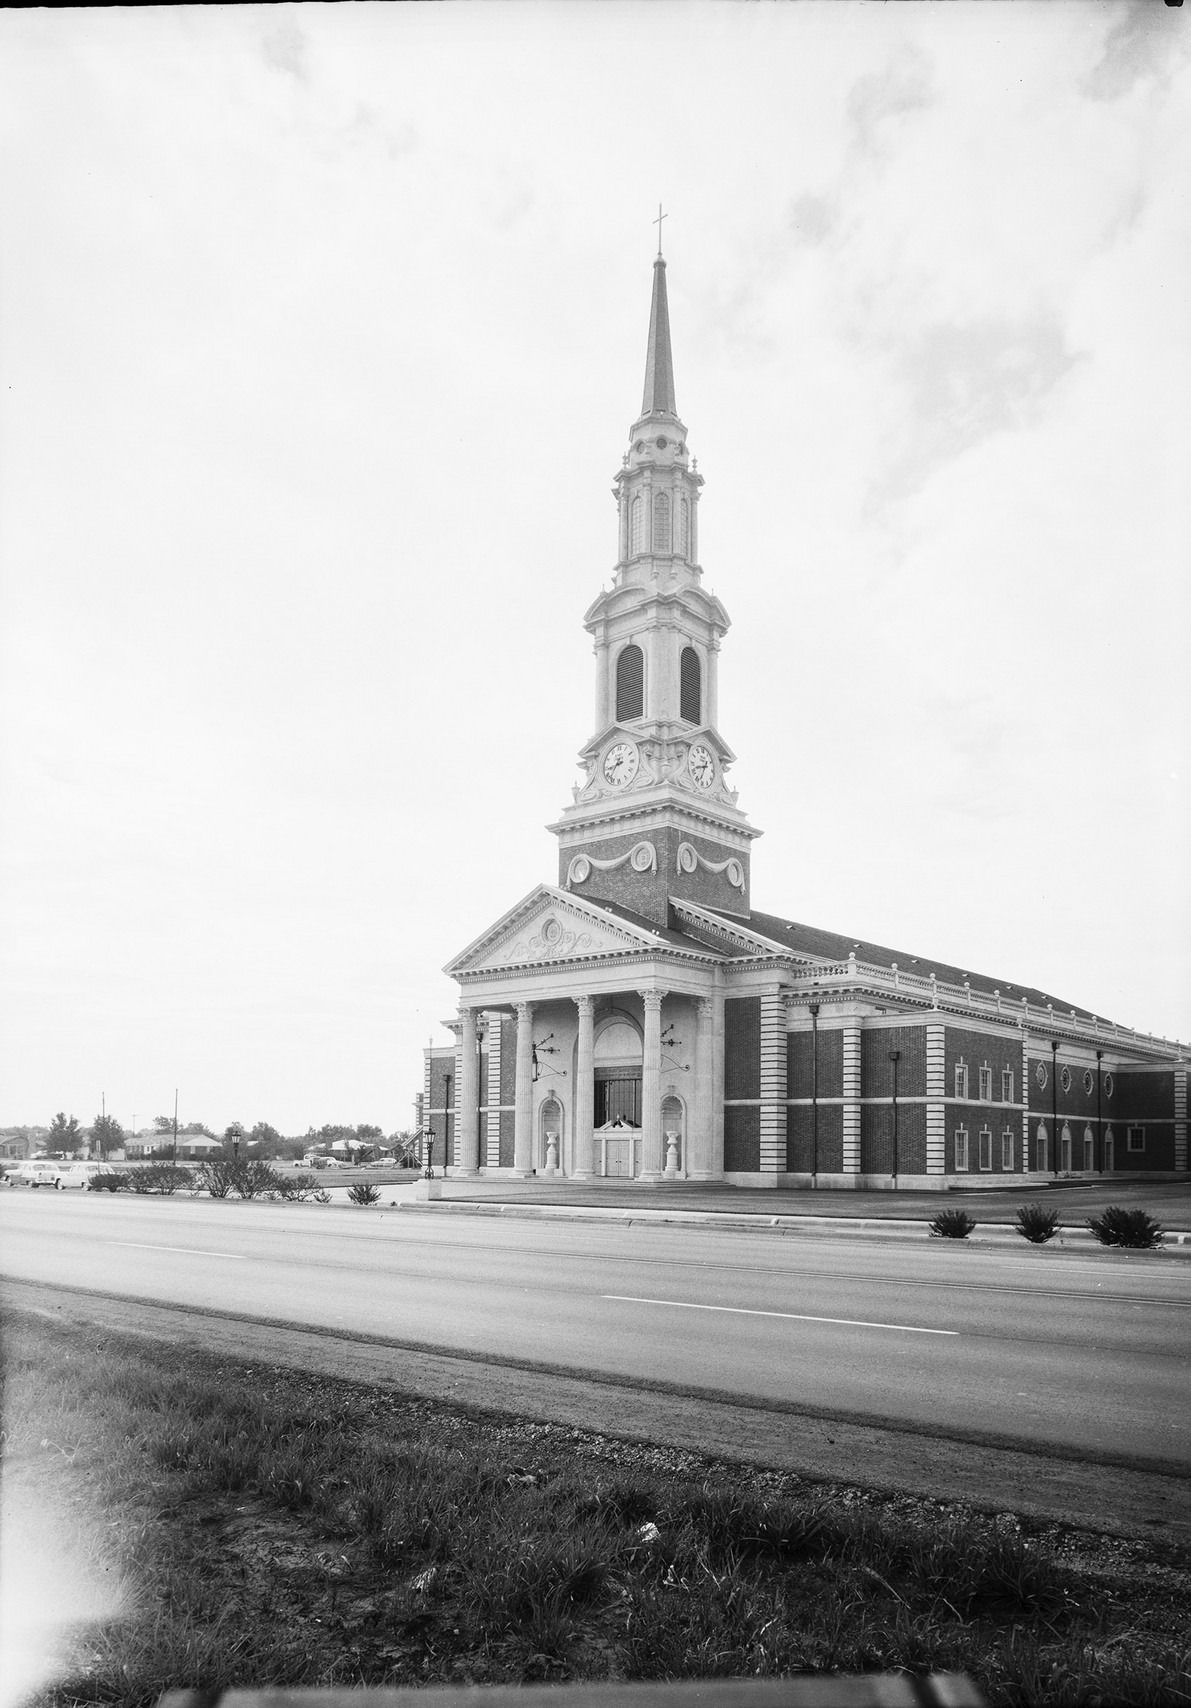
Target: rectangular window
[[1006, 1085], [1007, 1150], [985, 1148], [961, 1082], [986, 1084], [961, 1151], [1136, 1140]]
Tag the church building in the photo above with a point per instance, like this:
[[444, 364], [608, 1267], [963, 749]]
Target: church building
[[641, 1019]]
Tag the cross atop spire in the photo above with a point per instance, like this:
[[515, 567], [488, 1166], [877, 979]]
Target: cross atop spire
[[659, 363], [658, 223]]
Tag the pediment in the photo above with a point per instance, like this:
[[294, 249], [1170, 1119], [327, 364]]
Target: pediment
[[550, 926]]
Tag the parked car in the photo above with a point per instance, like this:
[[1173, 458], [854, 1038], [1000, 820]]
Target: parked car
[[82, 1174], [39, 1172]]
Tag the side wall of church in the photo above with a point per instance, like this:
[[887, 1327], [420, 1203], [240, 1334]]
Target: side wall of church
[[742, 1084]]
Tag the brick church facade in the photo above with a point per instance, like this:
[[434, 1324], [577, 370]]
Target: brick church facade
[[640, 1020]]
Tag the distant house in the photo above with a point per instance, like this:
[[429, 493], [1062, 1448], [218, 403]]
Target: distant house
[[192, 1147]]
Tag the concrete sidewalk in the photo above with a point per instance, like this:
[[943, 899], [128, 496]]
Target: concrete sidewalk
[[889, 1214]]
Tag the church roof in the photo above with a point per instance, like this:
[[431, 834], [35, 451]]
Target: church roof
[[659, 363], [676, 938], [816, 944]]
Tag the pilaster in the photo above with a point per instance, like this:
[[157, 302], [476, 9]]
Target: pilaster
[[467, 1121], [702, 1122], [773, 1081], [492, 1091], [851, 1100], [1180, 1117], [936, 1093]]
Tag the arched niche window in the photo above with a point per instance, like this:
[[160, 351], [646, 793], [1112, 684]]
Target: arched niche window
[[630, 684], [690, 704], [636, 527], [682, 530], [661, 522]]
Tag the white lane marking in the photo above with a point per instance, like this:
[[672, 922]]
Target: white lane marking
[[186, 1250], [788, 1316]]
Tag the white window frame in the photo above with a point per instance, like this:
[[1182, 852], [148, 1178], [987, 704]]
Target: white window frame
[[1135, 1141], [985, 1150], [1006, 1085], [1007, 1150], [985, 1082], [961, 1080], [961, 1150]]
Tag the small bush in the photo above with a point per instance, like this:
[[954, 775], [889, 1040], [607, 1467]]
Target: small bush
[[363, 1192], [115, 1182], [162, 1178], [246, 1177], [298, 1187], [1036, 1224], [952, 1224], [1133, 1228]]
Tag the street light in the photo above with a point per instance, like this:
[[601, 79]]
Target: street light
[[429, 1137], [814, 1013], [895, 1056]]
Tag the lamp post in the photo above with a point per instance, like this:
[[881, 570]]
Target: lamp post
[[895, 1056], [1054, 1106], [429, 1137], [814, 1013]]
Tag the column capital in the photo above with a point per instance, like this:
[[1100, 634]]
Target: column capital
[[585, 1004], [468, 1015], [653, 999], [523, 1010]]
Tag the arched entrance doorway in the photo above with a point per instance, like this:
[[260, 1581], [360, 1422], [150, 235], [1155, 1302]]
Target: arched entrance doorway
[[617, 1098], [548, 1160]]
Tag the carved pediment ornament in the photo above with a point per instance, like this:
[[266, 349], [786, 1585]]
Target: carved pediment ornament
[[642, 857], [688, 859]]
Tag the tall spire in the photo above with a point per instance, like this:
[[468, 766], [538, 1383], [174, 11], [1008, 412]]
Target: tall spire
[[659, 363]]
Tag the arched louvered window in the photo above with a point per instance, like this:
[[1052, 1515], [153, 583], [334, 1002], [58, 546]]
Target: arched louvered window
[[661, 522], [682, 533], [630, 684], [691, 687], [636, 527]]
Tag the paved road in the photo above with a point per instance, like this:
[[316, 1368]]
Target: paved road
[[1084, 1356]]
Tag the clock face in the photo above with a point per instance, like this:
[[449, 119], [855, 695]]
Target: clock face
[[701, 766], [620, 764]]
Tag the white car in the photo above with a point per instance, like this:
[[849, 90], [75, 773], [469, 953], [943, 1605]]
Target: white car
[[82, 1174], [39, 1172]]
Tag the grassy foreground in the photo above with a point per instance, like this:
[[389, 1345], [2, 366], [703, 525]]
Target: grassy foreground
[[259, 1525]]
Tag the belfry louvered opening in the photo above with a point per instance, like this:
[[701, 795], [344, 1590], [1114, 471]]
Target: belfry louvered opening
[[691, 687], [630, 684]]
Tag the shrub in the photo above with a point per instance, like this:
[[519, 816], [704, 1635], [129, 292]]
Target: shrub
[[162, 1178], [299, 1187], [246, 1177], [1036, 1224], [363, 1192], [1133, 1228], [952, 1224], [114, 1182]]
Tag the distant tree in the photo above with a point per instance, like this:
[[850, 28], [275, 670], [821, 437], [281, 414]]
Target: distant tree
[[65, 1135], [369, 1135], [199, 1127], [233, 1136], [268, 1140], [107, 1134], [164, 1124]]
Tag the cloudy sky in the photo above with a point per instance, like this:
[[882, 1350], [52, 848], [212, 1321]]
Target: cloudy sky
[[323, 330]]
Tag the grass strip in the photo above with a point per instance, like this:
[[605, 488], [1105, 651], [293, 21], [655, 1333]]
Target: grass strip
[[257, 1525]]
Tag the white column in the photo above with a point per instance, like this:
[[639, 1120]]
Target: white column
[[717, 1085], [492, 1132], [773, 1081], [523, 1119], [702, 1124], [652, 1159], [584, 1087], [936, 1107], [467, 1117]]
